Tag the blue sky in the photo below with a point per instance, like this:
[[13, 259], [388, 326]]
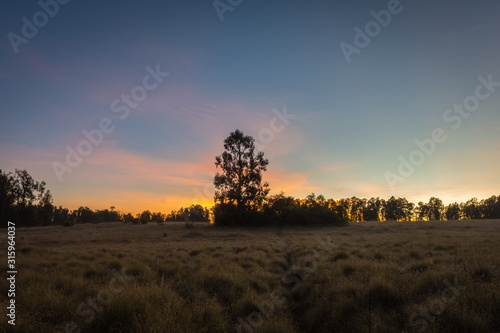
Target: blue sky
[[352, 120]]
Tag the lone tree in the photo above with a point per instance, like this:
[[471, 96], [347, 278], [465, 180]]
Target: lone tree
[[239, 187]]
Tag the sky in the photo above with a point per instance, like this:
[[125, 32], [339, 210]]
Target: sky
[[127, 103]]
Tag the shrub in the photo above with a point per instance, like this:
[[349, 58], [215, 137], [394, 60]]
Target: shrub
[[229, 215], [225, 215]]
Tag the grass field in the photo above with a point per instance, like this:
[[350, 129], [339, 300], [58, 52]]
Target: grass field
[[366, 277]]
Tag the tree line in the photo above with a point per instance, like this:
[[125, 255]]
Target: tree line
[[26, 202], [241, 198], [399, 209], [314, 210]]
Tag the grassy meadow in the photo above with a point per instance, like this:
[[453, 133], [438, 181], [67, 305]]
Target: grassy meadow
[[365, 277]]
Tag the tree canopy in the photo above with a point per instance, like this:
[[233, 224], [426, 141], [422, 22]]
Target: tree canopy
[[240, 181]]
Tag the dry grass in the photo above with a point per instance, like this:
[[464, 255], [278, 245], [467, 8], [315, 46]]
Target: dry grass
[[378, 277]]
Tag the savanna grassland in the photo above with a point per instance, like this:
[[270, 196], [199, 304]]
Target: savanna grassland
[[365, 277]]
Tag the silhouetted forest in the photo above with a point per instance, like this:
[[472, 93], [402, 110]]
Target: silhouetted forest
[[28, 203], [241, 198], [316, 210]]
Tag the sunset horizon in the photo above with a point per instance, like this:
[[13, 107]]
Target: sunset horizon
[[236, 166], [364, 100]]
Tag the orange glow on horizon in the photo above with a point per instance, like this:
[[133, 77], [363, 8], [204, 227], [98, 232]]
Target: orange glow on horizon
[[164, 205]]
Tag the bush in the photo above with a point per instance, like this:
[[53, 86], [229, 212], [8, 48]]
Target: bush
[[229, 215], [225, 214]]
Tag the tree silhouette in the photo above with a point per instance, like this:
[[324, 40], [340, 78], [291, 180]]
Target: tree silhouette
[[422, 211], [490, 208], [240, 182], [471, 209], [357, 207], [436, 208], [19, 194], [239, 190], [452, 211], [372, 209], [397, 209], [7, 196]]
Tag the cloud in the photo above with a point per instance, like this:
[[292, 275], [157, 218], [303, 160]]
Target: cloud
[[110, 172]]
